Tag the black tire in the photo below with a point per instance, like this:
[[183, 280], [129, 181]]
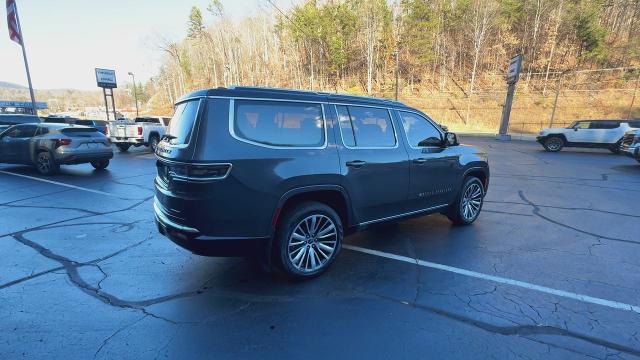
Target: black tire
[[123, 147], [46, 164], [153, 142], [288, 249], [615, 148], [553, 143], [456, 212], [100, 164]]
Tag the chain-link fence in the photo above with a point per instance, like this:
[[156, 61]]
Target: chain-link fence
[[542, 100]]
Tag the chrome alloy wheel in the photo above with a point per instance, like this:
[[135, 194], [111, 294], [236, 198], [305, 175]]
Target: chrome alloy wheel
[[312, 243], [554, 143], [44, 162], [472, 201]]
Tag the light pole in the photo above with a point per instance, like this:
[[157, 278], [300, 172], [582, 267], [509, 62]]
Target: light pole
[[395, 54], [135, 92]]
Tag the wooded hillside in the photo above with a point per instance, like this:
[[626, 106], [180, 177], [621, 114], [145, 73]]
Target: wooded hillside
[[455, 49]]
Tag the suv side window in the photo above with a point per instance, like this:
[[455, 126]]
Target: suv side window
[[279, 123], [23, 132], [420, 131], [604, 125], [362, 126], [583, 124]]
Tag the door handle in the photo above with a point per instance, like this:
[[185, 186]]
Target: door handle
[[420, 160], [356, 163]]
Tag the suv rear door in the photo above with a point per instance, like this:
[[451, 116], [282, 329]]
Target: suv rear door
[[374, 163]]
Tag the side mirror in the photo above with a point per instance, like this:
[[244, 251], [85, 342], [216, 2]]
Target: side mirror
[[575, 128], [451, 139], [431, 141]]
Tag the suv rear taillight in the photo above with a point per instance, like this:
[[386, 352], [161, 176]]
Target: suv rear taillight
[[61, 142], [139, 130], [169, 171]]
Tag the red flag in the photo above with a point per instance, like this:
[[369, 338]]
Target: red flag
[[12, 21]]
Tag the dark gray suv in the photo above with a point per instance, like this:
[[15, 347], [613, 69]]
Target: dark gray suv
[[286, 174]]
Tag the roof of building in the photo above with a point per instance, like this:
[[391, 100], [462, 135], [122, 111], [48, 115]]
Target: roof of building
[[289, 94]]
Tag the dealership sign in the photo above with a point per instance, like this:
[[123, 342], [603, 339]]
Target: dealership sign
[[106, 78]]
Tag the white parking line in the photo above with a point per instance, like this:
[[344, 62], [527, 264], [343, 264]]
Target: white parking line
[[62, 184], [522, 284]]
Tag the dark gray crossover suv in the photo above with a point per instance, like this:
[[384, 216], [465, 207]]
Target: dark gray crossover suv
[[286, 174]]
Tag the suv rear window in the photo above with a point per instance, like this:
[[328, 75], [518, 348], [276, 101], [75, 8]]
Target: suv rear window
[[279, 123], [78, 131], [182, 121], [84, 122]]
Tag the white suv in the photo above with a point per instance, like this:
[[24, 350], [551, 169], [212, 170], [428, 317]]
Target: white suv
[[605, 134]]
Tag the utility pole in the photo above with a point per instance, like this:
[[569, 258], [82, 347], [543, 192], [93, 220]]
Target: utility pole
[[396, 55], [135, 92], [555, 101]]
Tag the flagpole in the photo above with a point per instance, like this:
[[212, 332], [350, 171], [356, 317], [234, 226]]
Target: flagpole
[[26, 63]]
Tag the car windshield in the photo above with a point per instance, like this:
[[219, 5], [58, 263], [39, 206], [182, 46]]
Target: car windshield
[[181, 123]]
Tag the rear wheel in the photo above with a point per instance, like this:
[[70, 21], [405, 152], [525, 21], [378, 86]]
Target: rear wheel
[[615, 148], [45, 164], [100, 164], [123, 147], [153, 142], [554, 143], [308, 239], [467, 207]]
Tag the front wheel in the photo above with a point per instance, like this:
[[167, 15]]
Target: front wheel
[[553, 143], [45, 163], [467, 207], [308, 239], [100, 164]]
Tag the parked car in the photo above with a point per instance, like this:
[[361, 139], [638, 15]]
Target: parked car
[[145, 131], [7, 120], [285, 174], [606, 134], [47, 146], [630, 145]]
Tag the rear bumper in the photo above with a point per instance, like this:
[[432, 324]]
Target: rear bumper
[[125, 140], [200, 244], [69, 158]]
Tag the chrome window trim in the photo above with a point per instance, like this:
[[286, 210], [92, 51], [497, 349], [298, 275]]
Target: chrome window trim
[[403, 214], [232, 110], [395, 132], [429, 120]]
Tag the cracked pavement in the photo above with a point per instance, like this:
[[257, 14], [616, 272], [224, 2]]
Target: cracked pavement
[[84, 275]]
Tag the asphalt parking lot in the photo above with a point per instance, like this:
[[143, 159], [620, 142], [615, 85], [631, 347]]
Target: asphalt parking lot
[[551, 269]]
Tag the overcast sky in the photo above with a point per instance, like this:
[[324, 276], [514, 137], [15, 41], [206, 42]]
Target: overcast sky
[[65, 40]]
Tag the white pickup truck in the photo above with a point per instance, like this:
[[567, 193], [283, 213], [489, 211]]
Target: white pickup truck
[[145, 131]]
